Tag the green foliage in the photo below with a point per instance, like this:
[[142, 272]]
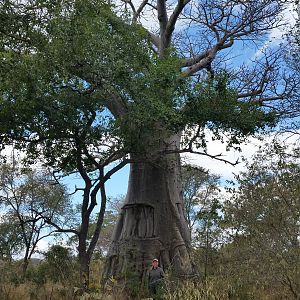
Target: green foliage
[[154, 100], [63, 62], [214, 105], [11, 241], [264, 216], [37, 274], [53, 89], [60, 265], [30, 200]]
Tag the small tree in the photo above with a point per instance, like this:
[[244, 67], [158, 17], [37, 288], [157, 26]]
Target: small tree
[[77, 133], [199, 188], [264, 219], [201, 195], [30, 198], [60, 264], [11, 242]]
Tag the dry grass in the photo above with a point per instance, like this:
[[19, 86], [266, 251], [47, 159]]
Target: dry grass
[[215, 288], [211, 290], [30, 291]]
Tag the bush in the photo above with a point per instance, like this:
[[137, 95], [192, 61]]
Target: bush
[[60, 265]]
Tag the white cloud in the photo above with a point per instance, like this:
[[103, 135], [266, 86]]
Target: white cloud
[[43, 244], [9, 153], [226, 170], [275, 37]]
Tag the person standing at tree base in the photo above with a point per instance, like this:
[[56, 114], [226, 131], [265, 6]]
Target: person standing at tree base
[[156, 275]]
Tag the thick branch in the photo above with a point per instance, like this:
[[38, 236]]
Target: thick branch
[[188, 62], [59, 229], [163, 21], [100, 218], [173, 19], [162, 15], [116, 105], [204, 60], [101, 181], [202, 64]]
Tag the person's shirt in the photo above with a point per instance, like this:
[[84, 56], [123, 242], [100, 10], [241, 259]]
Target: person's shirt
[[156, 275]]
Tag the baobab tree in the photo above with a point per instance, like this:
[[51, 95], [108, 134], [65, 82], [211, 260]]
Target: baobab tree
[[86, 73], [152, 221]]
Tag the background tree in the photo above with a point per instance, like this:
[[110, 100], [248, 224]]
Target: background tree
[[209, 236], [264, 221], [199, 187], [111, 216], [293, 59], [70, 70], [201, 195], [30, 198], [11, 242], [65, 114], [102, 246], [60, 264]]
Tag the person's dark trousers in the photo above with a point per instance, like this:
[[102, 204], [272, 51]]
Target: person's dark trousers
[[155, 291], [152, 289]]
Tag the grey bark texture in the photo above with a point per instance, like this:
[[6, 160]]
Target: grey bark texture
[[151, 223]]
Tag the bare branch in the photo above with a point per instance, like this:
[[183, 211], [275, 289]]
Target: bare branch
[[130, 4], [76, 190], [222, 23], [267, 81], [203, 63], [59, 229], [204, 59], [216, 157], [137, 13]]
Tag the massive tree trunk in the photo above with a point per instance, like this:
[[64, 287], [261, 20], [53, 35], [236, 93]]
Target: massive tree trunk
[[151, 223]]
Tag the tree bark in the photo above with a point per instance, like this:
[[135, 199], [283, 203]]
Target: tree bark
[[151, 223], [84, 262], [25, 264]]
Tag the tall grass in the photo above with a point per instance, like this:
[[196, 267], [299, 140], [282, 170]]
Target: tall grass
[[213, 288]]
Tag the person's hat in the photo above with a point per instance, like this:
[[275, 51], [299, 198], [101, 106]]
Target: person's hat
[[155, 259]]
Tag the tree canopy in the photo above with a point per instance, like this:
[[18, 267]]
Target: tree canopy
[[68, 77], [86, 87], [30, 199], [263, 215]]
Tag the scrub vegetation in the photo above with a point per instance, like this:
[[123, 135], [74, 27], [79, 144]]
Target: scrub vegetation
[[90, 86]]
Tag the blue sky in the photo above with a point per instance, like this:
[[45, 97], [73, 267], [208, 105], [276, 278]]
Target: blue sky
[[243, 52], [117, 184]]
